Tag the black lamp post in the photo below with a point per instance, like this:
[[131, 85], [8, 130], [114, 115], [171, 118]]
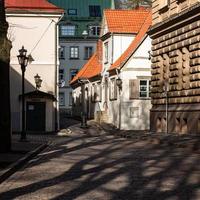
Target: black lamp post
[[23, 61], [83, 81], [38, 81]]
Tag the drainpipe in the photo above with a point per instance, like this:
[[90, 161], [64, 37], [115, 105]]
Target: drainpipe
[[120, 99], [57, 124], [112, 48]]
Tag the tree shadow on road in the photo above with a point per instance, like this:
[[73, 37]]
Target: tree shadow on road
[[114, 168]]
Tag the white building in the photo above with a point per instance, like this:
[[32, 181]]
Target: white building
[[124, 58], [33, 24]]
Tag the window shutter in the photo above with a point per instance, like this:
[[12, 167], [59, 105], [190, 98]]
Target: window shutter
[[134, 89]]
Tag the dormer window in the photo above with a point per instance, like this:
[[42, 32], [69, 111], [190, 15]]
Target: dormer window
[[94, 30], [72, 11], [95, 11], [67, 30]]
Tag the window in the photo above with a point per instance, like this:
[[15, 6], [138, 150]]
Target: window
[[61, 99], [61, 74], [62, 52], [144, 89], [95, 11], [106, 52], [74, 52], [94, 30], [88, 52], [113, 89], [67, 30], [72, 11], [73, 73]]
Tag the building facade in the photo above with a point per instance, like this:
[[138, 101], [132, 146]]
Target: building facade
[[33, 24], [117, 87], [79, 32], [175, 66]]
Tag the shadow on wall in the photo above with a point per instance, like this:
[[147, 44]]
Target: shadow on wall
[[90, 105], [15, 91]]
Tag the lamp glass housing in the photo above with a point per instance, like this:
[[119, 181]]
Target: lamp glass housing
[[119, 82], [22, 58]]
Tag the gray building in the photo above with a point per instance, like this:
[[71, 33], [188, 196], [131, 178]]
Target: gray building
[[76, 47]]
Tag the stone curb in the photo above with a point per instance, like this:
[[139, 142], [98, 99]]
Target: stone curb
[[21, 162]]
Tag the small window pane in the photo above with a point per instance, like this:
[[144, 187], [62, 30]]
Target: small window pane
[[67, 30], [74, 52], [95, 11], [88, 52], [72, 11]]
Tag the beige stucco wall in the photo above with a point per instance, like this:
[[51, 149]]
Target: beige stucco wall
[[36, 32]]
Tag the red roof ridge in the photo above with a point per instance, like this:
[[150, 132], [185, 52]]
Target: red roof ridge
[[23, 5], [128, 21], [134, 45]]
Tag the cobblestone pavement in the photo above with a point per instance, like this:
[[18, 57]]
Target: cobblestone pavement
[[84, 167]]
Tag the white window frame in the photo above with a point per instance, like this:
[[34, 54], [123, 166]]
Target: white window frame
[[67, 30], [74, 52], [94, 30], [147, 90], [88, 52], [106, 52]]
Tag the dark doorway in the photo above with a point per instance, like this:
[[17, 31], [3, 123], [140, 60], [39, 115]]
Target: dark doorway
[[35, 116]]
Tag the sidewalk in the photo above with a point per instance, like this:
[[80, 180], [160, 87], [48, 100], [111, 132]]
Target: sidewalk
[[21, 152]]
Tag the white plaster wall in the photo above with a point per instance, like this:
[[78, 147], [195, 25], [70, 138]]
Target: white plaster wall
[[117, 44], [27, 30], [120, 44], [93, 106], [137, 67]]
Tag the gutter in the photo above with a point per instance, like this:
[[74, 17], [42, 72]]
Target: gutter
[[57, 124]]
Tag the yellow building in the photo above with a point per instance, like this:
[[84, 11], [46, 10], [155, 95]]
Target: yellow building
[[175, 67]]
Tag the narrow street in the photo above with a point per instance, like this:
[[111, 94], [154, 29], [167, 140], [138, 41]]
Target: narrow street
[[106, 167]]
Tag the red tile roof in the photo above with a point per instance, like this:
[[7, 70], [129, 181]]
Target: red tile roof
[[31, 5], [126, 21], [134, 45], [93, 67]]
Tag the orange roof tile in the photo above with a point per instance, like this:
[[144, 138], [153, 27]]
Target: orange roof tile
[[92, 68], [126, 21], [134, 45], [33, 5]]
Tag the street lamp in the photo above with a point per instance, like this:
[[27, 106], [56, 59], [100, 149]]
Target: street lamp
[[83, 81], [23, 61], [119, 85], [38, 81]]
